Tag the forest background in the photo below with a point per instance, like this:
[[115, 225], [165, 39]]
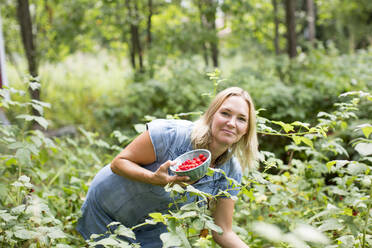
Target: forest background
[[85, 76]]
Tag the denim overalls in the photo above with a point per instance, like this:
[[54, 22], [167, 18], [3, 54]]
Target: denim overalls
[[114, 198]]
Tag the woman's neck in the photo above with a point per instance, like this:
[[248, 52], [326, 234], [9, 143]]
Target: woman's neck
[[216, 151]]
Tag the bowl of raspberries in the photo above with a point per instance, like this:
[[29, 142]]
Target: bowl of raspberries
[[193, 164]]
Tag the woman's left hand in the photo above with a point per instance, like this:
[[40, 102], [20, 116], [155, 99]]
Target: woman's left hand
[[161, 176]]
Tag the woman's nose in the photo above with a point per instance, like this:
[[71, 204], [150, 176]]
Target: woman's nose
[[231, 122]]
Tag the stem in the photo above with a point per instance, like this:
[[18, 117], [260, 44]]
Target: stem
[[139, 225], [366, 223], [286, 134]]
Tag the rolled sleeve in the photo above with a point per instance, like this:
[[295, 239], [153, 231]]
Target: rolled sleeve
[[161, 133]]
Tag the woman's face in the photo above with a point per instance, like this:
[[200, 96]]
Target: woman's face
[[230, 122]]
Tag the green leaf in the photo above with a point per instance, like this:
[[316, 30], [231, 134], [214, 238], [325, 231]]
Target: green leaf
[[55, 233], [121, 137], [268, 231], [158, 217], [182, 235], [331, 224], [210, 224], [310, 234], [187, 214], [330, 164], [23, 156], [301, 124], [299, 139], [296, 139], [170, 239], [366, 129], [42, 121], [307, 141], [24, 234], [108, 241], [287, 127], [125, 231], [6, 216], [140, 128], [364, 149]]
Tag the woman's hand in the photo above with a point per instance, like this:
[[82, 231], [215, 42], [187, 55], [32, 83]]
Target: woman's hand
[[161, 176]]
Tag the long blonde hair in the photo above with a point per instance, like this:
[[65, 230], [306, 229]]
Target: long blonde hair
[[246, 149]]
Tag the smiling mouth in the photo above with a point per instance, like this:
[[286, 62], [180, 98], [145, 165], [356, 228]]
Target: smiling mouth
[[228, 131]]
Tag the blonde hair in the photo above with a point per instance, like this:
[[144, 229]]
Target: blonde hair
[[246, 149]]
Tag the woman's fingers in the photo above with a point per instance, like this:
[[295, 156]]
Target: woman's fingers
[[177, 179], [167, 164]]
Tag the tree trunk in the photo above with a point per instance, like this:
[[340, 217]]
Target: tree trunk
[[132, 45], [211, 24], [310, 17], [276, 27], [149, 23], [291, 27], [202, 25], [137, 39], [28, 41]]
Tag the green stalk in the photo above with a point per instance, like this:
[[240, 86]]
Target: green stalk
[[366, 223]]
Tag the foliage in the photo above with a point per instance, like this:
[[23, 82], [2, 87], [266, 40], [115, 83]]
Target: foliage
[[319, 197]]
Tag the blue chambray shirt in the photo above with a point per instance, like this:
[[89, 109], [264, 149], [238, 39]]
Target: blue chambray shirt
[[114, 198]]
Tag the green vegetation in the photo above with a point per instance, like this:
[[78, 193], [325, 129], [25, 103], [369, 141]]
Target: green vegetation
[[312, 186]]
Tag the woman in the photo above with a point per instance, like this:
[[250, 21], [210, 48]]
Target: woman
[[131, 187]]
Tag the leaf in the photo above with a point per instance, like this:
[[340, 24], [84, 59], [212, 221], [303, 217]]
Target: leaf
[[268, 231], [190, 206], [356, 168], [34, 85], [182, 236], [287, 127], [307, 141], [366, 129], [24, 234], [213, 226], [302, 124], [55, 233], [41, 120], [170, 239], [108, 241], [23, 156], [330, 224], [296, 139], [121, 137], [364, 149], [63, 246], [140, 128], [330, 164], [347, 241], [158, 217], [7, 217], [187, 214], [125, 231], [311, 234]]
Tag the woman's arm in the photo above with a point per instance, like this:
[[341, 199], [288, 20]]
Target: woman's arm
[[141, 152], [223, 216]]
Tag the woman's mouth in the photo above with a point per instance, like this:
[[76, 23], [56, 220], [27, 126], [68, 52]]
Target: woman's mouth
[[228, 132]]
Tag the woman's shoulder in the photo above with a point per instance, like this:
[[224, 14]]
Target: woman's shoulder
[[174, 125], [170, 134], [172, 122]]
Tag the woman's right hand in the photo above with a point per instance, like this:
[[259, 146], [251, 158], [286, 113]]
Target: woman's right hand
[[161, 176]]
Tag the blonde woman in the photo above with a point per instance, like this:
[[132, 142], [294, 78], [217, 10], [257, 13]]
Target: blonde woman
[[131, 187]]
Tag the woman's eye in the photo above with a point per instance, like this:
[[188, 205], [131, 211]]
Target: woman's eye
[[225, 113], [242, 119]]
